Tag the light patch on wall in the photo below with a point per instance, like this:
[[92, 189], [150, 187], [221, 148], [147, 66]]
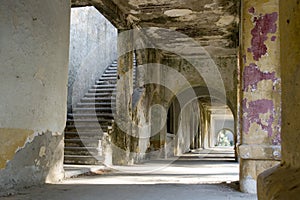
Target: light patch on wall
[[10, 141], [225, 20], [178, 12], [42, 151], [134, 12]]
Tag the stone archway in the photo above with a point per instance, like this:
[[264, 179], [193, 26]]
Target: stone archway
[[225, 138]]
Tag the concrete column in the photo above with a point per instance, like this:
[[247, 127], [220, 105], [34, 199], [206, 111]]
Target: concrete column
[[205, 124], [282, 181], [260, 91], [33, 83], [122, 132]]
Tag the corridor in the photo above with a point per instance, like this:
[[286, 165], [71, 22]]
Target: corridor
[[199, 174]]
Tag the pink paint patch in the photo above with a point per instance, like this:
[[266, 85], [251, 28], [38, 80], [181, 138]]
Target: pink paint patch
[[245, 58], [251, 10], [273, 38], [252, 76], [252, 112], [263, 26]]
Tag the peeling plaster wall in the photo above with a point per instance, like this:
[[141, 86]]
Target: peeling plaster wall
[[33, 77], [282, 181], [93, 46], [260, 97]]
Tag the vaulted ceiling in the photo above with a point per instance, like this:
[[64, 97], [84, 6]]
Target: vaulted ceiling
[[212, 23]]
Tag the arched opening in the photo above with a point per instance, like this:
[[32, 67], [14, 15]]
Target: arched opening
[[225, 138]]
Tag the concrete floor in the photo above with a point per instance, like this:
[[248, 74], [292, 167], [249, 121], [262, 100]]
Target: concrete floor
[[205, 174]]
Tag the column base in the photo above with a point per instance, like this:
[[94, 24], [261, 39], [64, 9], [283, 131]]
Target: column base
[[249, 171], [255, 159]]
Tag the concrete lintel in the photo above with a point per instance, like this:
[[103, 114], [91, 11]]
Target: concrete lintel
[[108, 9], [260, 152]]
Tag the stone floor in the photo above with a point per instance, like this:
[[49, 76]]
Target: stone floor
[[204, 174]]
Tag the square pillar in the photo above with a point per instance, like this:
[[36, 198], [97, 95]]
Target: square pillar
[[282, 181], [260, 91]]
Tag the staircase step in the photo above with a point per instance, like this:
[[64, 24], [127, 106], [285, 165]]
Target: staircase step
[[98, 99], [95, 113], [84, 127], [107, 78], [101, 109], [104, 86], [87, 121], [88, 127], [114, 64], [83, 160], [89, 115], [82, 143], [106, 82], [114, 75], [83, 135], [102, 94], [82, 151], [96, 105], [111, 71], [110, 90]]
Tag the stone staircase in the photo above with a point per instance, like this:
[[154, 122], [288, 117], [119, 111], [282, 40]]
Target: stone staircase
[[83, 135]]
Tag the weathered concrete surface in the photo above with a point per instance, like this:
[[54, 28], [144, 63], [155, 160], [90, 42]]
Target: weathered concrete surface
[[214, 24], [213, 21], [260, 92], [93, 46], [122, 140], [282, 182], [189, 125], [33, 81], [38, 162]]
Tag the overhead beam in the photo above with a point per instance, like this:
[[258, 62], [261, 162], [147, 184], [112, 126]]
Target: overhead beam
[[108, 9]]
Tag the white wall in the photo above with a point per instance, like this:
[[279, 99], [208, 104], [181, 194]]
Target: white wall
[[93, 46], [219, 122]]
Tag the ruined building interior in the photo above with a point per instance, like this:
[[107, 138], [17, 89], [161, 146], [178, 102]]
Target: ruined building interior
[[122, 82]]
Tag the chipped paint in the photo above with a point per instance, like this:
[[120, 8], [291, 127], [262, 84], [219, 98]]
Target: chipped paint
[[273, 38], [264, 25], [42, 151], [253, 75], [252, 112], [11, 140]]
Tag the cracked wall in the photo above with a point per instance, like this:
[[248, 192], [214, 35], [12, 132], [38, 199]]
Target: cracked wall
[[34, 80]]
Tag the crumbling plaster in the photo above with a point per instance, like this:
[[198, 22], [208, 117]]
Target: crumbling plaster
[[282, 181], [35, 41]]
